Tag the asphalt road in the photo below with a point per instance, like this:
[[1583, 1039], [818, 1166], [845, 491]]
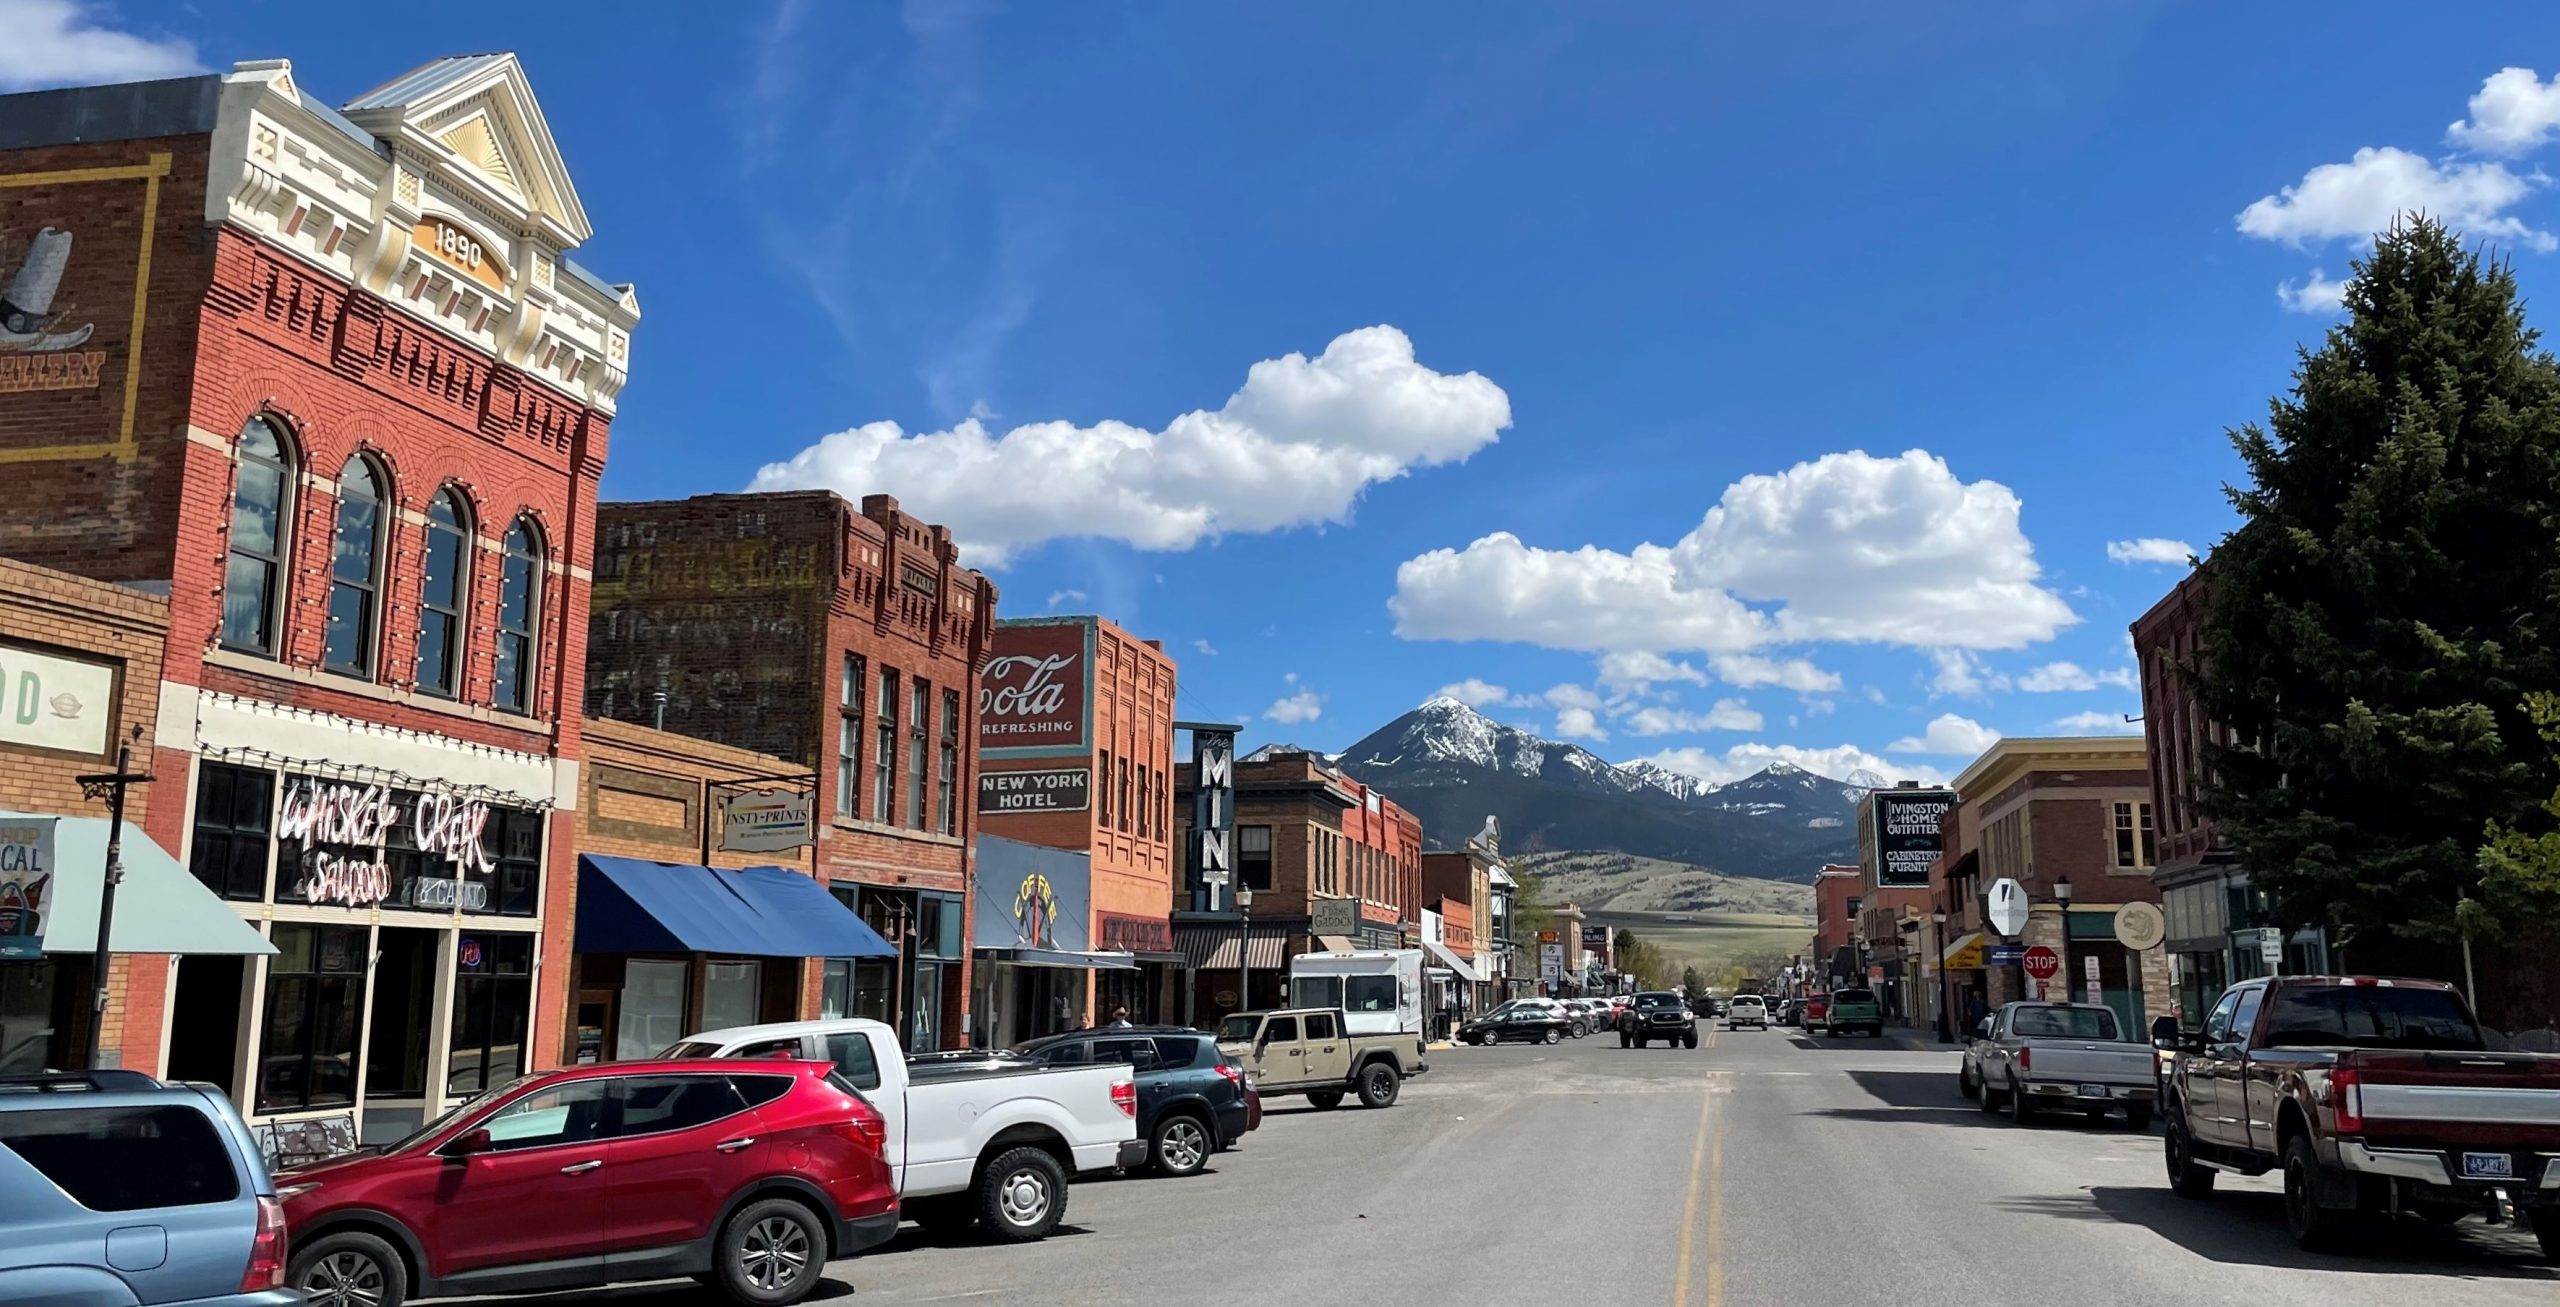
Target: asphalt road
[[1763, 1168]]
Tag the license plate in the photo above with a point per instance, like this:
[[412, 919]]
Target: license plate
[[2488, 1166], [2093, 1091]]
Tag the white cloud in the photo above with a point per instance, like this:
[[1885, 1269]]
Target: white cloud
[[1295, 446], [2098, 723], [1057, 597], [2150, 549], [1573, 696], [2316, 294], [1727, 715], [2063, 678], [1948, 734], [1579, 724], [1818, 707], [1296, 709], [1205, 649], [1847, 547], [1476, 692], [1750, 670], [2368, 193], [1743, 759], [2513, 112], [1962, 673], [1634, 671], [59, 43]]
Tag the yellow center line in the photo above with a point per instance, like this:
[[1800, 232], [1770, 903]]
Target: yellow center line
[[1715, 1218], [1689, 1209]]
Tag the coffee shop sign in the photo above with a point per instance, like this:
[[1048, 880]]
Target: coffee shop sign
[[342, 828]]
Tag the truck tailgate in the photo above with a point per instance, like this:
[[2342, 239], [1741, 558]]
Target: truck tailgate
[[2510, 1099], [2088, 1061]]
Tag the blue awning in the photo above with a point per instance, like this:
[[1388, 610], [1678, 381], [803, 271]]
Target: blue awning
[[626, 905]]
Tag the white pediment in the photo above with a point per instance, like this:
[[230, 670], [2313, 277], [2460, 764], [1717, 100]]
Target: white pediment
[[479, 112]]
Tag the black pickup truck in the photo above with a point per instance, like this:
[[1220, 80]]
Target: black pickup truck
[[1658, 1015], [2374, 1097]]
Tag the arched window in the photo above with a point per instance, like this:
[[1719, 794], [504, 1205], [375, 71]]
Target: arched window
[[355, 570], [440, 599], [253, 579], [519, 608]]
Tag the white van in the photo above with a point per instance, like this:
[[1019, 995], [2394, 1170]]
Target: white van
[[1378, 990]]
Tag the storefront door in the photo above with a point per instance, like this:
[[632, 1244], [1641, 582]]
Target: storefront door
[[650, 1015]]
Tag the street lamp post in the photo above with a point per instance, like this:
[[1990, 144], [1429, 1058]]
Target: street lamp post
[[1244, 948], [1935, 959], [2062, 946], [112, 789]]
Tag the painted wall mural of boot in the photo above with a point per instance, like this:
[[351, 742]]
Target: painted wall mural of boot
[[29, 321]]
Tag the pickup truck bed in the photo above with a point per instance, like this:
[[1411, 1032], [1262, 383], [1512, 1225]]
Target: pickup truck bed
[[2034, 1057]]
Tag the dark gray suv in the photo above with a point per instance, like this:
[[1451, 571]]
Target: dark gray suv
[[118, 1190]]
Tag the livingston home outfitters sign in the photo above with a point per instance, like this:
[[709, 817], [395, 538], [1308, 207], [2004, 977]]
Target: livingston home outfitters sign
[[1908, 839]]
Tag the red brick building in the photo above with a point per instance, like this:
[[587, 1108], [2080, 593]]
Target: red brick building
[[1836, 904], [328, 379], [848, 642], [1076, 739]]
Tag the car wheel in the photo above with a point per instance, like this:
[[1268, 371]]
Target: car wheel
[[1553, 1036], [2177, 1147], [1642, 1042], [1624, 1041], [1378, 1085], [1989, 1102], [1690, 1040], [1181, 1145], [1326, 1098], [2316, 1229], [770, 1253], [1021, 1195], [1964, 1081], [2022, 1108], [2546, 1230], [2138, 1116], [350, 1269]]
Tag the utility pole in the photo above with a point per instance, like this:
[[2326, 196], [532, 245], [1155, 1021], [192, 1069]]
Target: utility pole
[[112, 789]]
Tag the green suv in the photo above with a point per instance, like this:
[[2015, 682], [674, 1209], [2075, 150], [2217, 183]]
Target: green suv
[[1854, 1011]]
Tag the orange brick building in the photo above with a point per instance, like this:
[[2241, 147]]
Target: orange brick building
[[1076, 741], [328, 380]]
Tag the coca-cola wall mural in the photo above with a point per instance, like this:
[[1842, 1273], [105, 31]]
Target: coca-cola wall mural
[[1035, 697]]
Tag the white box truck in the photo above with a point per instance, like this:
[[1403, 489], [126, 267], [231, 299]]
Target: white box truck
[[1379, 990]]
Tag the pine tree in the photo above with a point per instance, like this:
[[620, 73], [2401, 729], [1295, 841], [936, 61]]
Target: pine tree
[[2376, 623]]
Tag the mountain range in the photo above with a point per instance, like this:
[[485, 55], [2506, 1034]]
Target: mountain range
[[1451, 765]]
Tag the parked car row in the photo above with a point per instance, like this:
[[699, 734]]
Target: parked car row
[[2371, 1097]]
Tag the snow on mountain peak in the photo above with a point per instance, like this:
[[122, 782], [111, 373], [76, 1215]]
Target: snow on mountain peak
[[1864, 779]]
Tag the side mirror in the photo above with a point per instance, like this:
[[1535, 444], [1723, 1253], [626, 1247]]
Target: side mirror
[[468, 1143], [2164, 1032]]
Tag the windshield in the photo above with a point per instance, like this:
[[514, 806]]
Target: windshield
[[2064, 1022], [1852, 996], [689, 1048], [1657, 1000], [2370, 1016], [451, 1114]]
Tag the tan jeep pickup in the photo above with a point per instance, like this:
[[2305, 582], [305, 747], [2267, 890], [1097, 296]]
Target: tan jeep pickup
[[2373, 1097], [1311, 1051]]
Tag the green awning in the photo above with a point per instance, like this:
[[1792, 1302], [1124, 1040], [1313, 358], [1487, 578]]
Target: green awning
[[160, 908]]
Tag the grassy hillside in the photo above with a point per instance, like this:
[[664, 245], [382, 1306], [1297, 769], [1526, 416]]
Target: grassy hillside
[[1710, 941], [1623, 882]]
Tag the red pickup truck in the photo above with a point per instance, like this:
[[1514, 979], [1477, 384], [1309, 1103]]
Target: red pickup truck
[[2373, 1097]]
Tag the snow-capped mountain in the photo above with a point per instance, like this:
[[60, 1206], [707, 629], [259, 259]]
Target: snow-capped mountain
[[1270, 751], [1451, 766]]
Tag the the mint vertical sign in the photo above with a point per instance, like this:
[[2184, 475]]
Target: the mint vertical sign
[[26, 884], [1213, 818]]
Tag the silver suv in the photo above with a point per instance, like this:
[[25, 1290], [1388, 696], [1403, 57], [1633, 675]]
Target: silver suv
[[118, 1190]]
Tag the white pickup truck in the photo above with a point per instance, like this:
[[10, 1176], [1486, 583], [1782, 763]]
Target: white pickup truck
[[2071, 1057], [990, 1140]]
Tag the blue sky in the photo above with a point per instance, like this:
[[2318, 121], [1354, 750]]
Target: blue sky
[[1612, 336]]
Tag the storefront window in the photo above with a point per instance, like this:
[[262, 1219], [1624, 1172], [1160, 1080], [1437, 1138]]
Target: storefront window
[[492, 1001], [233, 805], [652, 1008], [1253, 857], [315, 993], [513, 840], [835, 989], [729, 994]]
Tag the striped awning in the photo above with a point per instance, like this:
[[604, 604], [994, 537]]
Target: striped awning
[[1210, 946]]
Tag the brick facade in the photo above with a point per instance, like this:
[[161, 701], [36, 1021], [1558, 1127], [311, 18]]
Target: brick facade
[[743, 611]]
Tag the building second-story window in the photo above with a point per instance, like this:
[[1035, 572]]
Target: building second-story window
[[1124, 795], [2134, 843], [884, 756], [440, 595], [919, 725], [1146, 800], [355, 570], [519, 609], [946, 809], [1253, 857], [253, 577], [849, 737], [1102, 781]]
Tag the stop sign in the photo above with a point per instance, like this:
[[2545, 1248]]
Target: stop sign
[[2042, 962]]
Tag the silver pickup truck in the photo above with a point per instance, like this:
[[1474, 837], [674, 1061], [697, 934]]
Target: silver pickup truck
[[2069, 1057]]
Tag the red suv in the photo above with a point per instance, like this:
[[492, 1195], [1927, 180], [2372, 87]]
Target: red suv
[[748, 1178]]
